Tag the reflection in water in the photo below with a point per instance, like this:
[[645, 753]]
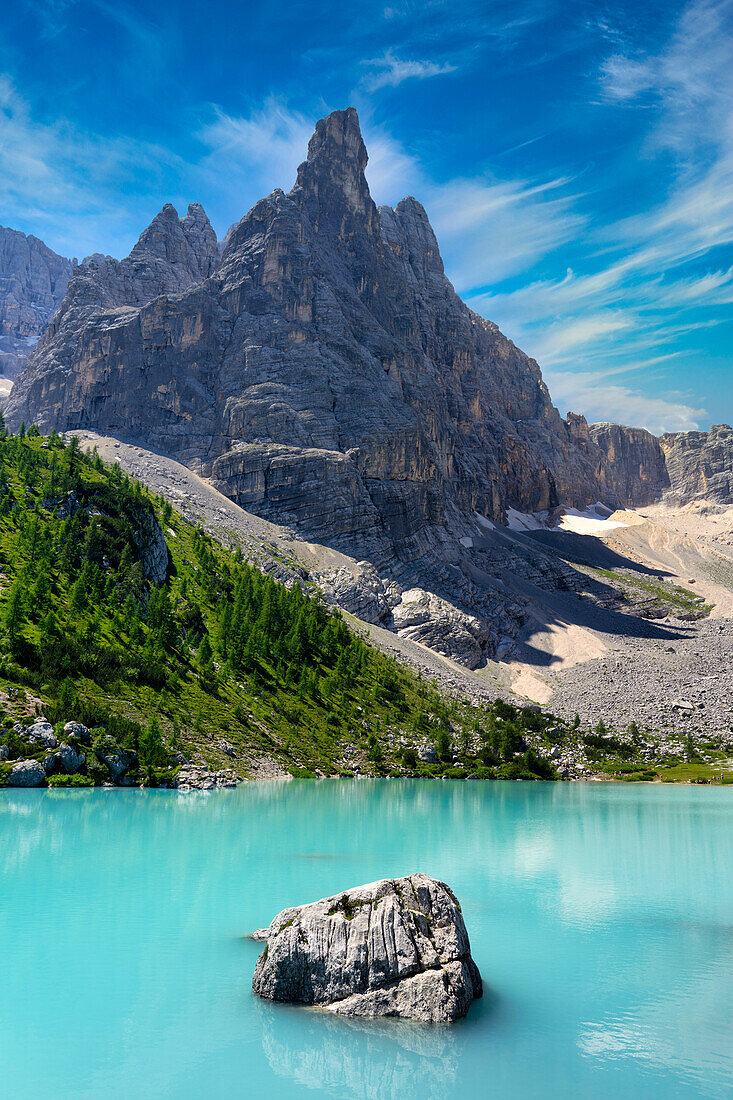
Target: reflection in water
[[374, 1059], [687, 1029], [600, 915]]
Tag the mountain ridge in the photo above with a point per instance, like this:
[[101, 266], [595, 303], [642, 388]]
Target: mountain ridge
[[322, 372], [33, 283]]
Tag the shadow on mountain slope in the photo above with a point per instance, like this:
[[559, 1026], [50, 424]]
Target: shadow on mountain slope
[[589, 550], [554, 615]]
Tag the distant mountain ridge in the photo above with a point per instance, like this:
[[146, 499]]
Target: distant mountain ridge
[[33, 282]]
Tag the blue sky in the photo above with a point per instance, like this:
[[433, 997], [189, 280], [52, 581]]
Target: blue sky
[[575, 158]]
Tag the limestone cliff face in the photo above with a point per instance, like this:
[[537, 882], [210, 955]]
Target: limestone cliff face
[[33, 282], [323, 371], [633, 467], [700, 464], [639, 468]]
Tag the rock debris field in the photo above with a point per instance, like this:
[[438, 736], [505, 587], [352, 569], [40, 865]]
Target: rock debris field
[[675, 680]]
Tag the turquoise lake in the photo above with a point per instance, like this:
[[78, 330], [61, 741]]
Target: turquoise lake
[[601, 919]]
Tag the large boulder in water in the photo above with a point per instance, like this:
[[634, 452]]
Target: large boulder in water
[[397, 947]]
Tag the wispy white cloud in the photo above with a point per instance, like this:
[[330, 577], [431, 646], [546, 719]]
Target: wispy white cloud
[[643, 287], [593, 394], [66, 183], [252, 154], [683, 79], [390, 70], [492, 228]]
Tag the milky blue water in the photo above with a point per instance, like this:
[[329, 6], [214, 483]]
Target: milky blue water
[[601, 918]]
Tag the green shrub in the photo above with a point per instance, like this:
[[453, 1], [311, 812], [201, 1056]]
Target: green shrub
[[96, 770], [442, 745], [601, 744], [70, 781]]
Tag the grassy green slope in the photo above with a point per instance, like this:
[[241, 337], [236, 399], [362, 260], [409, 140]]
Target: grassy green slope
[[215, 660], [234, 665]]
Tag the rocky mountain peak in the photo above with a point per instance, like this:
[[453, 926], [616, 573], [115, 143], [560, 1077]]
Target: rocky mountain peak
[[332, 181], [189, 243], [338, 138], [408, 233]]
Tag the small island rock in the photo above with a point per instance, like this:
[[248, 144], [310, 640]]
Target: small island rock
[[397, 947]]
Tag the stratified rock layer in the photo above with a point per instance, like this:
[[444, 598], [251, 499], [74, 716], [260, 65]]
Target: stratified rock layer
[[397, 947], [633, 467], [700, 464]]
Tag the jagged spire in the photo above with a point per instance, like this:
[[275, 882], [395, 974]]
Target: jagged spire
[[332, 179], [189, 241], [337, 138]]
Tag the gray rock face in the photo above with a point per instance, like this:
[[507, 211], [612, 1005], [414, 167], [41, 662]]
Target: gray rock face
[[41, 732], [151, 546], [195, 777], [425, 617], [325, 371], [33, 282], [79, 732], [118, 761], [633, 467], [398, 947], [69, 758], [27, 773], [700, 464], [639, 468]]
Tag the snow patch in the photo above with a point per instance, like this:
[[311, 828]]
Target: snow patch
[[525, 521], [593, 520], [589, 522], [466, 541]]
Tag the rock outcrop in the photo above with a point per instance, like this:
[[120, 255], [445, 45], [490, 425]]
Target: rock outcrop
[[700, 465], [398, 947], [633, 468], [436, 623], [27, 773], [40, 732], [68, 758], [638, 468], [33, 282]]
